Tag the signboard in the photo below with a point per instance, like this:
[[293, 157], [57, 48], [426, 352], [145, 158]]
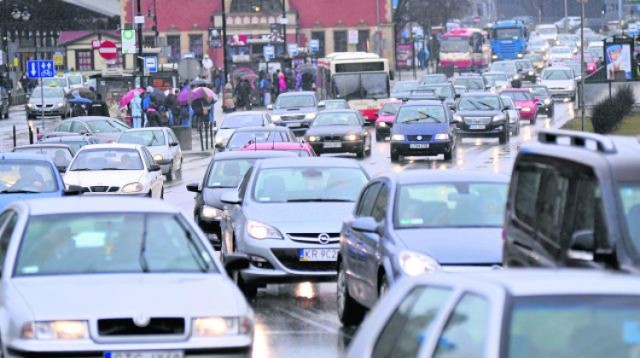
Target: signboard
[[292, 50], [58, 59], [95, 43], [40, 68], [151, 63], [404, 54], [215, 39], [314, 45], [188, 55], [353, 37], [618, 58], [276, 33], [108, 50], [269, 52], [128, 40], [189, 69]]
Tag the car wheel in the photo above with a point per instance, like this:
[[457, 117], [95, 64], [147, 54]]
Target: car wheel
[[383, 285], [363, 150], [249, 291], [150, 194], [448, 155], [162, 193], [350, 312], [379, 137], [504, 137]]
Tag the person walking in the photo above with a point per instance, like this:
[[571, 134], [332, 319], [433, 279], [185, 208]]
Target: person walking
[[171, 104], [266, 87], [136, 110], [427, 58], [275, 82], [282, 82]]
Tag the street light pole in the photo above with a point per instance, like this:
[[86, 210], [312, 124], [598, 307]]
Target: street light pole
[[224, 43], [566, 16], [139, 58], [582, 63], [284, 25]]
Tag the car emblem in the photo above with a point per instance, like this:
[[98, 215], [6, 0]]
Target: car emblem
[[323, 238], [419, 137], [141, 320]]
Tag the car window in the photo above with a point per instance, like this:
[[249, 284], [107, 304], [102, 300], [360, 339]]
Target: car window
[[588, 214], [79, 127], [295, 101], [240, 139], [379, 211], [8, 221], [28, 176], [477, 103], [104, 127], [107, 159], [64, 127], [149, 138], [518, 95], [242, 188], [550, 207], [527, 187], [421, 114], [557, 75], [240, 121], [172, 136], [464, 335], [336, 119], [148, 158], [367, 199], [228, 173], [61, 156], [409, 324]]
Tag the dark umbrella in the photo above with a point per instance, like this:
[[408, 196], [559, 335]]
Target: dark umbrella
[[199, 83], [82, 92], [158, 95], [306, 68]]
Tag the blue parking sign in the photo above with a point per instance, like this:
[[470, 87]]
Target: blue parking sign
[[40, 68]]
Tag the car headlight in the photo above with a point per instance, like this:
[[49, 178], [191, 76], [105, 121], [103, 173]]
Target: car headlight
[[29, 105], [275, 118], [221, 326], [397, 137], [526, 109], [314, 138], [158, 157], [311, 115], [262, 231], [52, 330], [497, 118], [209, 212], [132, 188], [531, 73], [414, 264], [381, 124], [516, 77], [494, 56], [219, 140], [441, 136], [520, 55], [60, 104], [547, 101], [352, 137]]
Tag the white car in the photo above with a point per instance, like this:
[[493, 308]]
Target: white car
[[547, 32], [571, 22], [560, 81], [514, 115], [162, 144], [76, 80], [560, 53], [235, 120], [126, 169], [497, 81]]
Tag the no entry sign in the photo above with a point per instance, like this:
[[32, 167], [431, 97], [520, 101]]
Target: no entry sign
[[108, 50]]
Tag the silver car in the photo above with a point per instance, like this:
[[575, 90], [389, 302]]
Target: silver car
[[286, 215], [162, 144], [115, 277], [53, 100], [519, 313]]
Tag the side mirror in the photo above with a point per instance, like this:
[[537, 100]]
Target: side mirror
[[321, 104], [193, 187], [236, 262], [456, 96], [579, 78], [174, 144], [154, 168], [270, 107], [219, 146], [366, 224], [582, 246], [231, 197], [506, 108], [61, 168], [73, 190]]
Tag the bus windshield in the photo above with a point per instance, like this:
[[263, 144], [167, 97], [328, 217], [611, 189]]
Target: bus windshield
[[507, 34], [361, 86], [455, 44]]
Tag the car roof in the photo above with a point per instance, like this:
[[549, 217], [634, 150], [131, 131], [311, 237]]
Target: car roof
[[423, 102], [298, 93], [113, 146], [494, 73], [515, 90], [336, 100], [43, 145], [341, 110], [91, 118], [309, 162], [418, 176], [393, 101], [563, 68], [478, 94], [409, 81], [275, 146], [263, 154], [262, 129], [146, 129], [62, 137], [23, 156], [244, 113], [96, 204]]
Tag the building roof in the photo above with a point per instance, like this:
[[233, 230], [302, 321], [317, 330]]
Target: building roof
[[67, 37], [105, 7]]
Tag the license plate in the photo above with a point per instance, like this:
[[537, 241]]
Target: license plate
[[292, 125], [477, 126], [332, 145], [419, 146], [318, 254], [144, 354]]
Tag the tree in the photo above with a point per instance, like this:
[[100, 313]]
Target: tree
[[428, 13]]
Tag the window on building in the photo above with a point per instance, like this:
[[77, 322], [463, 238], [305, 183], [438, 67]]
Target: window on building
[[195, 45], [173, 43], [363, 40], [149, 41], [319, 35], [84, 60], [256, 5], [340, 41]]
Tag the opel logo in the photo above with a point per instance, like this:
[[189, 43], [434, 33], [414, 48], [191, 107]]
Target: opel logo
[[323, 238], [419, 137], [141, 320]]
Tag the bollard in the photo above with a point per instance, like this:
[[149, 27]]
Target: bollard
[[206, 134], [211, 134], [30, 135], [200, 124], [14, 136]]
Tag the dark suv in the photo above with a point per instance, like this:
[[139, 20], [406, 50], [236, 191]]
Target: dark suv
[[574, 201], [482, 115]]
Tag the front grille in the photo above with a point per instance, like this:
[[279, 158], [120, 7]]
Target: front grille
[[334, 238], [101, 189], [477, 120], [331, 138], [423, 138], [292, 118], [290, 259], [126, 327]]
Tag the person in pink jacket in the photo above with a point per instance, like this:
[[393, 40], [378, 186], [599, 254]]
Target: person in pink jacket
[[282, 82]]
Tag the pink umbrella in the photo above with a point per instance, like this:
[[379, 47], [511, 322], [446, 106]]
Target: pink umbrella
[[204, 92], [129, 96]]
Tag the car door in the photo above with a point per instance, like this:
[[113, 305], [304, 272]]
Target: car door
[[371, 242], [233, 218], [154, 177]]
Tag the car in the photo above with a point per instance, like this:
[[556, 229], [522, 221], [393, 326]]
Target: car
[[333, 104], [548, 32], [224, 173], [386, 118], [513, 115], [571, 40], [527, 70], [339, 131], [60, 154], [573, 201], [103, 129], [122, 169], [423, 128], [163, 145], [525, 103], [561, 82], [54, 103], [58, 81], [402, 89], [235, 120], [295, 110], [472, 83], [538, 61], [497, 81], [507, 67], [5, 102], [301, 149], [27, 175], [597, 47], [545, 103], [444, 92], [78, 252], [286, 215], [415, 222], [518, 313], [460, 89], [591, 62], [434, 78], [560, 53], [243, 136], [482, 115], [75, 141], [538, 46], [568, 23], [76, 80]]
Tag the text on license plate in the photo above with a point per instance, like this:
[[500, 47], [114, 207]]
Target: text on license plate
[[294, 124], [318, 254], [477, 126], [144, 354], [333, 145], [419, 146]]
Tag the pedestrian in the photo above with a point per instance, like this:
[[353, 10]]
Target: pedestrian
[[171, 104], [244, 93], [275, 82], [228, 103], [282, 83], [298, 80], [265, 85], [307, 82], [427, 57], [153, 116], [136, 110], [421, 59]]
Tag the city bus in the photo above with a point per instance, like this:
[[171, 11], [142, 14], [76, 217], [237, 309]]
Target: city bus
[[360, 78], [465, 49]]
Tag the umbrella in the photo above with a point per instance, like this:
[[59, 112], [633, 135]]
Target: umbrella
[[158, 95], [204, 92], [82, 92], [306, 68], [184, 96], [129, 96], [199, 83], [79, 100]]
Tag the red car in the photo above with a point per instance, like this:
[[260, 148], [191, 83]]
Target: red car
[[523, 99], [591, 62], [303, 149], [386, 118]]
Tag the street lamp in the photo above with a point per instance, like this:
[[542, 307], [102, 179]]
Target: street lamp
[[582, 62]]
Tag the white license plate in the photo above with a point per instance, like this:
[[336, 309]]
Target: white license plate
[[419, 146], [144, 354], [477, 126], [291, 125], [318, 254], [332, 145]]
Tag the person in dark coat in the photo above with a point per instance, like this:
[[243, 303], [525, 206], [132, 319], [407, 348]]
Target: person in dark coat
[[243, 93], [153, 116], [171, 104]]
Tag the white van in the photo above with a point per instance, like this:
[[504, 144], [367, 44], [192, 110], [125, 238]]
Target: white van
[[547, 32]]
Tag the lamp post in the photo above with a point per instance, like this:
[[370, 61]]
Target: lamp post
[[139, 58], [224, 44], [582, 62]]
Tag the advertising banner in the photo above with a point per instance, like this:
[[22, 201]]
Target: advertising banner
[[618, 58], [404, 55]]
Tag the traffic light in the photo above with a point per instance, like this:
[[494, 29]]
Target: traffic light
[[604, 9]]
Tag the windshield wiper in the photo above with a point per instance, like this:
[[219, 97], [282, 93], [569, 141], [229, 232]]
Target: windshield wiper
[[202, 263], [320, 200], [80, 169], [485, 104], [220, 186], [19, 191], [142, 258], [117, 169], [427, 115]]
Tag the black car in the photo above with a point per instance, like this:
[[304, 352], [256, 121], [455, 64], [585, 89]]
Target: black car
[[339, 131], [574, 201], [527, 70], [444, 92], [482, 115], [75, 141], [224, 173], [545, 102], [244, 136], [61, 154]]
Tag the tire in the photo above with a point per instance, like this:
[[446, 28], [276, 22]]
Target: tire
[[395, 158], [150, 194], [170, 174], [504, 137], [383, 285], [533, 121], [250, 291], [448, 155], [178, 173], [162, 193], [350, 312], [379, 137], [363, 151]]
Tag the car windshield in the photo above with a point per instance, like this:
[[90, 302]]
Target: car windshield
[[103, 126], [518, 95], [336, 119], [560, 50], [528, 65], [149, 138], [540, 91], [75, 145], [389, 109], [61, 157], [493, 78], [240, 121], [309, 184], [75, 80], [436, 91], [228, 173], [54, 82], [574, 326], [17, 176], [404, 86], [361, 86], [504, 67], [336, 105], [99, 243], [239, 139], [295, 101], [630, 196], [534, 58], [507, 101], [461, 204], [47, 93], [421, 114], [433, 79], [455, 44], [547, 31], [507, 34], [107, 159], [474, 103], [470, 83], [557, 75]]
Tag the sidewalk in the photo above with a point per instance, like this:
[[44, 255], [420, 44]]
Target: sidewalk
[[196, 152]]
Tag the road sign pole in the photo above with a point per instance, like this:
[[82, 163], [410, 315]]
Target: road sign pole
[[42, 103]]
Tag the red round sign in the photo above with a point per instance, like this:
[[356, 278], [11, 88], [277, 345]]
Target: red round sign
[[108, 50]]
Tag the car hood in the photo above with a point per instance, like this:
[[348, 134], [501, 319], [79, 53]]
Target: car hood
[[455, 245], [105, 137], [478, 113], [420, 128], [128, 295], [386, 119], [6, 199], [557, 83], [297, 110], [333, 130], [54, 101], [301, 217], [103, 177], [225, 134], [212, 196]]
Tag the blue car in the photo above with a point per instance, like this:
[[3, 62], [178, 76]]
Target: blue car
[[423, 128], [416, 222], [30, 176]]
